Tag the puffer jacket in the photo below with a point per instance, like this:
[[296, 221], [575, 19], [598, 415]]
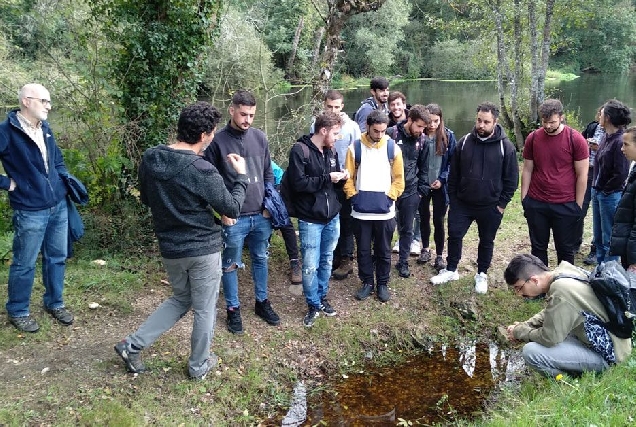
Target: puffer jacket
[[623, 240]]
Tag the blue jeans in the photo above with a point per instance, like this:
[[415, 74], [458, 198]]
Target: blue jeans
[[603, 210], [570, 356], [256, 230], [317, 243], [45, 230]]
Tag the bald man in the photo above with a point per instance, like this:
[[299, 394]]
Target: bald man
[[34, 168]]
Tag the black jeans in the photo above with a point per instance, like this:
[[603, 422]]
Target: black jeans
[[439, 213], [586, 205], [291, 241], [561, 218], [406, 208], [344, 248], [460, 217], [374, 234]]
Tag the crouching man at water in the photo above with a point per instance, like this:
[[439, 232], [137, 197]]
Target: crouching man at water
[[561, 338], [182, 190]]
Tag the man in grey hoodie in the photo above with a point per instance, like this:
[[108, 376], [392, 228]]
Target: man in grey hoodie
[[183, 190]]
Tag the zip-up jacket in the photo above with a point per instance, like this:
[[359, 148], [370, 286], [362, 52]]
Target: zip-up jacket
[[610, 166], [253, 146], [315, 198], [484, 173], [623, 241], [366, 107], [415, 157], [182, 189], [36, 189]]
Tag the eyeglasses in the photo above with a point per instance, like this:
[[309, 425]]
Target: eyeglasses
[[518, 288], [42, 100]]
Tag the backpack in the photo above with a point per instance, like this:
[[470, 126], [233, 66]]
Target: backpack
[[357, 150], [612, 286], [286, 191]]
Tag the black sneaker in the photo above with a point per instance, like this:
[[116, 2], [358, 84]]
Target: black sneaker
[[264, 310], [61, 314], [326, 308], [439, 263], [364, 292], [383, 293], [25, 323], [131, 359], [311, 316], [403, 270], [425, 256], [591, 259], [234, 321]]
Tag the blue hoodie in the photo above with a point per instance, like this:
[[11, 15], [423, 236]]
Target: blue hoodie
[[36, 189]]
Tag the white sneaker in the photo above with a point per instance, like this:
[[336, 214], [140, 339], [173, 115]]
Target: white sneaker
[[416, 248], [444, 276], [481, 283], [396, 247]]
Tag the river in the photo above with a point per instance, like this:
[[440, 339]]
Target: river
[[458, 99]]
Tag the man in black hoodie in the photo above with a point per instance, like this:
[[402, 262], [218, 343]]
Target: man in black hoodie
[[182, 190], [313, 171], [408, 136], [484, 175]]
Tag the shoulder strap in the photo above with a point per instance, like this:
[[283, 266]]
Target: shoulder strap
[[305, 149], [390, 150], [464, 141], [357, 151], [395, 131]]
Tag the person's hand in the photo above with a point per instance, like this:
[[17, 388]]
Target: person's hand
[[436, 185], [266, 214], [593, 144], [12, 185], [336, 176], [345, 174], [510, 330], [500, 209], [237, 162], [632, 268], [228, 221]]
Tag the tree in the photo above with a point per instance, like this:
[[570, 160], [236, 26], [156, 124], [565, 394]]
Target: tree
[[337, 14], [158, 59]]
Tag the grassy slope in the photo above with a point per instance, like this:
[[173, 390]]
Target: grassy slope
[[71, 376]]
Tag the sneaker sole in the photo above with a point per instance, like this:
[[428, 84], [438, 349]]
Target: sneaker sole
[[21, 329], [124, 356], [235, 332]]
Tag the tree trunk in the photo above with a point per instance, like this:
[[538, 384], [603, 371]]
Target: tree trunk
[[502, 67], [545, 51], [320, 32], [338, 12], [517, 76], [292, 56], [534, 67]]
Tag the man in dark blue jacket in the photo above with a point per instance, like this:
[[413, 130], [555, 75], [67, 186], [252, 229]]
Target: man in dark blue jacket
[[312, 178], [34, 167]]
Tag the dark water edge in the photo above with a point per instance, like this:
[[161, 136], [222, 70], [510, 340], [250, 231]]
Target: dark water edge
[[439, 385]]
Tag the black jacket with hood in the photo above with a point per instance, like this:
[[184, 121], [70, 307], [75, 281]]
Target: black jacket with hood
[[484, 173], [314, 196], [182, 189], [415, 158]]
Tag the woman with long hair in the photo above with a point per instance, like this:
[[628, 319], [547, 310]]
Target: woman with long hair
[[610, 172], [441, 144]]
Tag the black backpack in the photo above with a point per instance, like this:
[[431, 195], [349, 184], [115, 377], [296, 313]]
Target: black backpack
[[611, 285], [286, 191]]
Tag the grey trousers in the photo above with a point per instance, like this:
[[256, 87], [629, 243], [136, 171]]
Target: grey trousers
[[195, 284], [568, 357]]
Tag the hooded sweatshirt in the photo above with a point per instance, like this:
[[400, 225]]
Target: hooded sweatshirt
[[484, 172], [182, 190], [314, 197], [366, 107]]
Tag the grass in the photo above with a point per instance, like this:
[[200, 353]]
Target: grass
[[86, 384]]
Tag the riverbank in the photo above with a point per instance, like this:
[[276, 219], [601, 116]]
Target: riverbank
[[72, 376]]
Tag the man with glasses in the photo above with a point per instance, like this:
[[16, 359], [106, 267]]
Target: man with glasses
[[562, 338], [34, 168]]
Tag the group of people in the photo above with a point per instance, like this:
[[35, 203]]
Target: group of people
[[212, 192]]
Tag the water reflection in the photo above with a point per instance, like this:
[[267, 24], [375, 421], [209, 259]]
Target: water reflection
[[440, 385]]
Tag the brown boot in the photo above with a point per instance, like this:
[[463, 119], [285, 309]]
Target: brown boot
[[296, 275], [344, 270]]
